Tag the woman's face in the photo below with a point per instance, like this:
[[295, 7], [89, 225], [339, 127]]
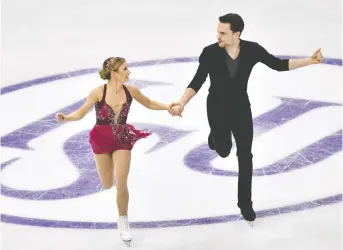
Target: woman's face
[[122, 74]]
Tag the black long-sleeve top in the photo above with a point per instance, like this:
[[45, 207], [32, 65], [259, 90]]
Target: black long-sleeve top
[[213, 62]]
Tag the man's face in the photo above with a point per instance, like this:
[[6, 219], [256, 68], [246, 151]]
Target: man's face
[[225, 35]]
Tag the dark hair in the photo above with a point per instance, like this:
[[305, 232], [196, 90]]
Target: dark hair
[[236, 21]]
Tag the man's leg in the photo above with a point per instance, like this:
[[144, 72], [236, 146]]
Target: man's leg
[[243, 132], [222, 141], [219, 138], [210, 141]]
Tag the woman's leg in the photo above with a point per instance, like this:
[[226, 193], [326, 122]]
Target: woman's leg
[[122, 160], [105, 167]]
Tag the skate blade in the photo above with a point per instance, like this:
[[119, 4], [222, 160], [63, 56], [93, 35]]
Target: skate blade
[[127, 242], [250, 223]]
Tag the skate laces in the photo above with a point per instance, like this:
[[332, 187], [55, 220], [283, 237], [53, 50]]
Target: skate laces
[[124, 223]]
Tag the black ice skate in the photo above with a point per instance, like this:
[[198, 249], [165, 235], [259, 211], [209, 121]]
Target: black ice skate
[[248, 214]]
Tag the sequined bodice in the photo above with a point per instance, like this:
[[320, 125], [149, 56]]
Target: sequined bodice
[[105, 115], [111, 131]]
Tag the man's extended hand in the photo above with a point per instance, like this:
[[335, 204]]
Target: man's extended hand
[[317, 57]]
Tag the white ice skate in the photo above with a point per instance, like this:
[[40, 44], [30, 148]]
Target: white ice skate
[[124, 230]]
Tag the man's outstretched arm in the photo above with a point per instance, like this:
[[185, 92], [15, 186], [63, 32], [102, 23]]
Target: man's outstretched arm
[[316, 58], [278, 64]]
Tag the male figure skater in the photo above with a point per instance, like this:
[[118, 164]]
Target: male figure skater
[[229, 63]]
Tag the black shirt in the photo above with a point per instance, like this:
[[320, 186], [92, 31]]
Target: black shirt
[[213, 62]]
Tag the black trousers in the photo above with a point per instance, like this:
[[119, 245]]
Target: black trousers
[[227, 119]]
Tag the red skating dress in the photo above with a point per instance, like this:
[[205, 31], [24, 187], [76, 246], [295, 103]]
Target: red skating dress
[[112, 133]]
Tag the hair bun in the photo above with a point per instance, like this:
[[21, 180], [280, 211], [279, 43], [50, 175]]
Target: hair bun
[[103, 74]]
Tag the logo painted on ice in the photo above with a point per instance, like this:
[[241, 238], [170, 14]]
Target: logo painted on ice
[[197, 159]]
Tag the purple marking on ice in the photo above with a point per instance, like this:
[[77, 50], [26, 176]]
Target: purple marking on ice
[[199, 159], [17, 139], [172, 223]]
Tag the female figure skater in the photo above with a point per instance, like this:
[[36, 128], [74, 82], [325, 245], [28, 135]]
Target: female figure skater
[[112, 138]]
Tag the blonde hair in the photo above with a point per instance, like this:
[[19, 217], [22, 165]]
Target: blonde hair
[[110, 64]]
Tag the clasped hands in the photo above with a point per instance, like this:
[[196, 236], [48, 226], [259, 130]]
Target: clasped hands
[[176, 108]]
